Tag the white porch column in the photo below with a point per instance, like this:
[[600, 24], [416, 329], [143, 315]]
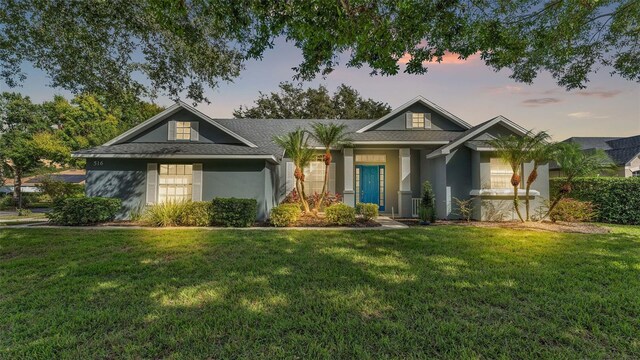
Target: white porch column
[[349, 197], [404, 190]]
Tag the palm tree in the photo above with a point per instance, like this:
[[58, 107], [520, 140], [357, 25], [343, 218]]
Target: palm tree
[[575, 163], [540, 152], [330, 136], [295, 145], [515, 151]]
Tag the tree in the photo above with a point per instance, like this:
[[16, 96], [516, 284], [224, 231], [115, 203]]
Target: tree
[[295, 145], [330, 136], [540, 152], [574, 163], [514, 150], [294, 102], [142, 47], [25, 139]]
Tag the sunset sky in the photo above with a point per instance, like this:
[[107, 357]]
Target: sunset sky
[[610, 106]]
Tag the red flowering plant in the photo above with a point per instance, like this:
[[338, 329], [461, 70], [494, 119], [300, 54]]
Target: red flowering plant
[[328, 200]]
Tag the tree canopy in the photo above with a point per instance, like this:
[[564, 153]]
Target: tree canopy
[[294, 102], [142, 47]]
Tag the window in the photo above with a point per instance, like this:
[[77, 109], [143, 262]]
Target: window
[[636, 173], [417, 120], [314, 177], [500, 174], [371, 158], [175, 182], [381, 182], [183, 130]]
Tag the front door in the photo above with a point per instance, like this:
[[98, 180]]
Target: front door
[[371, 184]]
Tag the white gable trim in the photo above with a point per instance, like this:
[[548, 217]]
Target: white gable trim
[[498, 119], [418, 99], [165, 114]]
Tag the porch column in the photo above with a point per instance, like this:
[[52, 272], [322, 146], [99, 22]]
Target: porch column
[[404, 189], [348, 194]]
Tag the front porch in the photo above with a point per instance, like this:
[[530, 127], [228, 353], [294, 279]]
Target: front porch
[[389, 177]]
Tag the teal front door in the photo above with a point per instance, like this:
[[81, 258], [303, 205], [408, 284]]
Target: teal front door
[[371, 184]]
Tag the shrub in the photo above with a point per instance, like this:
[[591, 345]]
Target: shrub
[[428, 201], [329, 199], [233, 212], [84, 210], [572, 210], [341, 214], [615, 198], [284, 215], [367, 211], [6, 202], [184, 213], [56, 189], [464, 208]]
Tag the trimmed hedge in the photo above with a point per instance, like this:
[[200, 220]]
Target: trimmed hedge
[[233, 212], [284, 215], [84, 210], [616, 199], [341, 214], [367, 211]]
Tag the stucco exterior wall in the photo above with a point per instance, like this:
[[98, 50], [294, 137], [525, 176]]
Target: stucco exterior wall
[[220, 178], [208, 133], [438, 122]]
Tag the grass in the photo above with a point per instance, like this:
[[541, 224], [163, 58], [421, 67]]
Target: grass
[[446, 291], [29, 216]]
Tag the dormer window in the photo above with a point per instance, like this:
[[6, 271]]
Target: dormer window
[[183, 130], [418, 120]]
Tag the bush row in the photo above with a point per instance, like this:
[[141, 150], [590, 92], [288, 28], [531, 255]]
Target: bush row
[[615, 199], [228, 212]]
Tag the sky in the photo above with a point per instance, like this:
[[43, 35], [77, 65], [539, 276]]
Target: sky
[[609, 106]]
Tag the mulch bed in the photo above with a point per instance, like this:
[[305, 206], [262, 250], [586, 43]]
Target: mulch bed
[[561, 227]]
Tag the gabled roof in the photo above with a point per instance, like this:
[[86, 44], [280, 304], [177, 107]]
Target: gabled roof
[[475, 131], [418, 99], [620, 149], [165, 114], [591, 142]]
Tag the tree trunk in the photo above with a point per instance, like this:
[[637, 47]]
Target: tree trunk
[[17, 189], [532, 177], [327, 163], [516, 202], [555, 202], [300, 189]]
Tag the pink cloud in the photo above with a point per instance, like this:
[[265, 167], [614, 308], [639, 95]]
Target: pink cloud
[[448, 58]]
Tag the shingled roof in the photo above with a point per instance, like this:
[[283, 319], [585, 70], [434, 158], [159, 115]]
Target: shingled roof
[[620, 149]]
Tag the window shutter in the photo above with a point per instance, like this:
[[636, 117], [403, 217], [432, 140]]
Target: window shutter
[[152, 182], [195, 133], [408, 118], [289, 181], [196, 189], [332, 178], [427, 121], [172, 130]]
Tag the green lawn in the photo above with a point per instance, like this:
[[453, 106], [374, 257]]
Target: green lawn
[[455, 292]]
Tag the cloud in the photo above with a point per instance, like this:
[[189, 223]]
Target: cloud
[[447, 59], [586, 115], [509, 89], [603, 94], [541, 101]]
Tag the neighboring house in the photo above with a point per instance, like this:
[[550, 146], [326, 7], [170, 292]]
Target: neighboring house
[[182, 154], [623, 151], [30, 184]]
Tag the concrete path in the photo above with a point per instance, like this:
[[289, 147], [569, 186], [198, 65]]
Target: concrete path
[[389, 223]]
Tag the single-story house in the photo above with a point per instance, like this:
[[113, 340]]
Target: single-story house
[[31, 184], [624, 152], [183, 154]]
